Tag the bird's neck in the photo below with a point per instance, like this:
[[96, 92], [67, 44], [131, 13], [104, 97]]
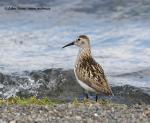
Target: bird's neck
[[83, 53]]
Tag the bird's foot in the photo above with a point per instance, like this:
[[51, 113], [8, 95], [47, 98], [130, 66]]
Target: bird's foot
[[96, 97]]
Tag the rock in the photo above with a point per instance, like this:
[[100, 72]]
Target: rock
[[132, 94], [61, 84], [1, 78]]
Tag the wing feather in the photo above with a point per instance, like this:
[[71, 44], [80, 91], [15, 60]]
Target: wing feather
[[90, 72]]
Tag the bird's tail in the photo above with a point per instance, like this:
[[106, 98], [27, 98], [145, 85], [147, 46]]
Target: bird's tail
[[108, 91]]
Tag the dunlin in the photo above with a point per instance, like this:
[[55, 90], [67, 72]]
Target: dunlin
[[89, 74]]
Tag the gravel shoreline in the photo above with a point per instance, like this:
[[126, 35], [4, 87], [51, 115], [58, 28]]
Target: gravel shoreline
[[75, 113]]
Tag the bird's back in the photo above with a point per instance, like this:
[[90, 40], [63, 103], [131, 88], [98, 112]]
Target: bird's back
[[91, 73]]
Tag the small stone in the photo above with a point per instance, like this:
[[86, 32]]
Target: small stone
[[78, 117], [13, 121], [112, 109], [96, 115]]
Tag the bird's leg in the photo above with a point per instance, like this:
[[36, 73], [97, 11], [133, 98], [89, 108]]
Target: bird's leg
[[96, 97], [87, 96]]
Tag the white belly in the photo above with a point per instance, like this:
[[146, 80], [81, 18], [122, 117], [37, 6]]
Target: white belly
[[83, 85]]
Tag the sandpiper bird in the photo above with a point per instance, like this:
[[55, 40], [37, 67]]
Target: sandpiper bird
[[88, 72]]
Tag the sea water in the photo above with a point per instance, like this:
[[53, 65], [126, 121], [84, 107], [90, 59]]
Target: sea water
[[119, 34]]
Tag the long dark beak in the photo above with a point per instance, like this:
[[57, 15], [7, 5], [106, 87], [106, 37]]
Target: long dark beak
[[72, 43]]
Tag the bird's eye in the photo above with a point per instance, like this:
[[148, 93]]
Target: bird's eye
[[78, 39]]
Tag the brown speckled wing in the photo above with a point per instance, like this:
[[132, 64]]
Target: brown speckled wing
[[93, 75]]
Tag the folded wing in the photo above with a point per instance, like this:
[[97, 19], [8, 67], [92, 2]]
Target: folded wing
[[91, 73]]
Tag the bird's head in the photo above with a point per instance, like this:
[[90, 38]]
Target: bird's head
[[82, 41]]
